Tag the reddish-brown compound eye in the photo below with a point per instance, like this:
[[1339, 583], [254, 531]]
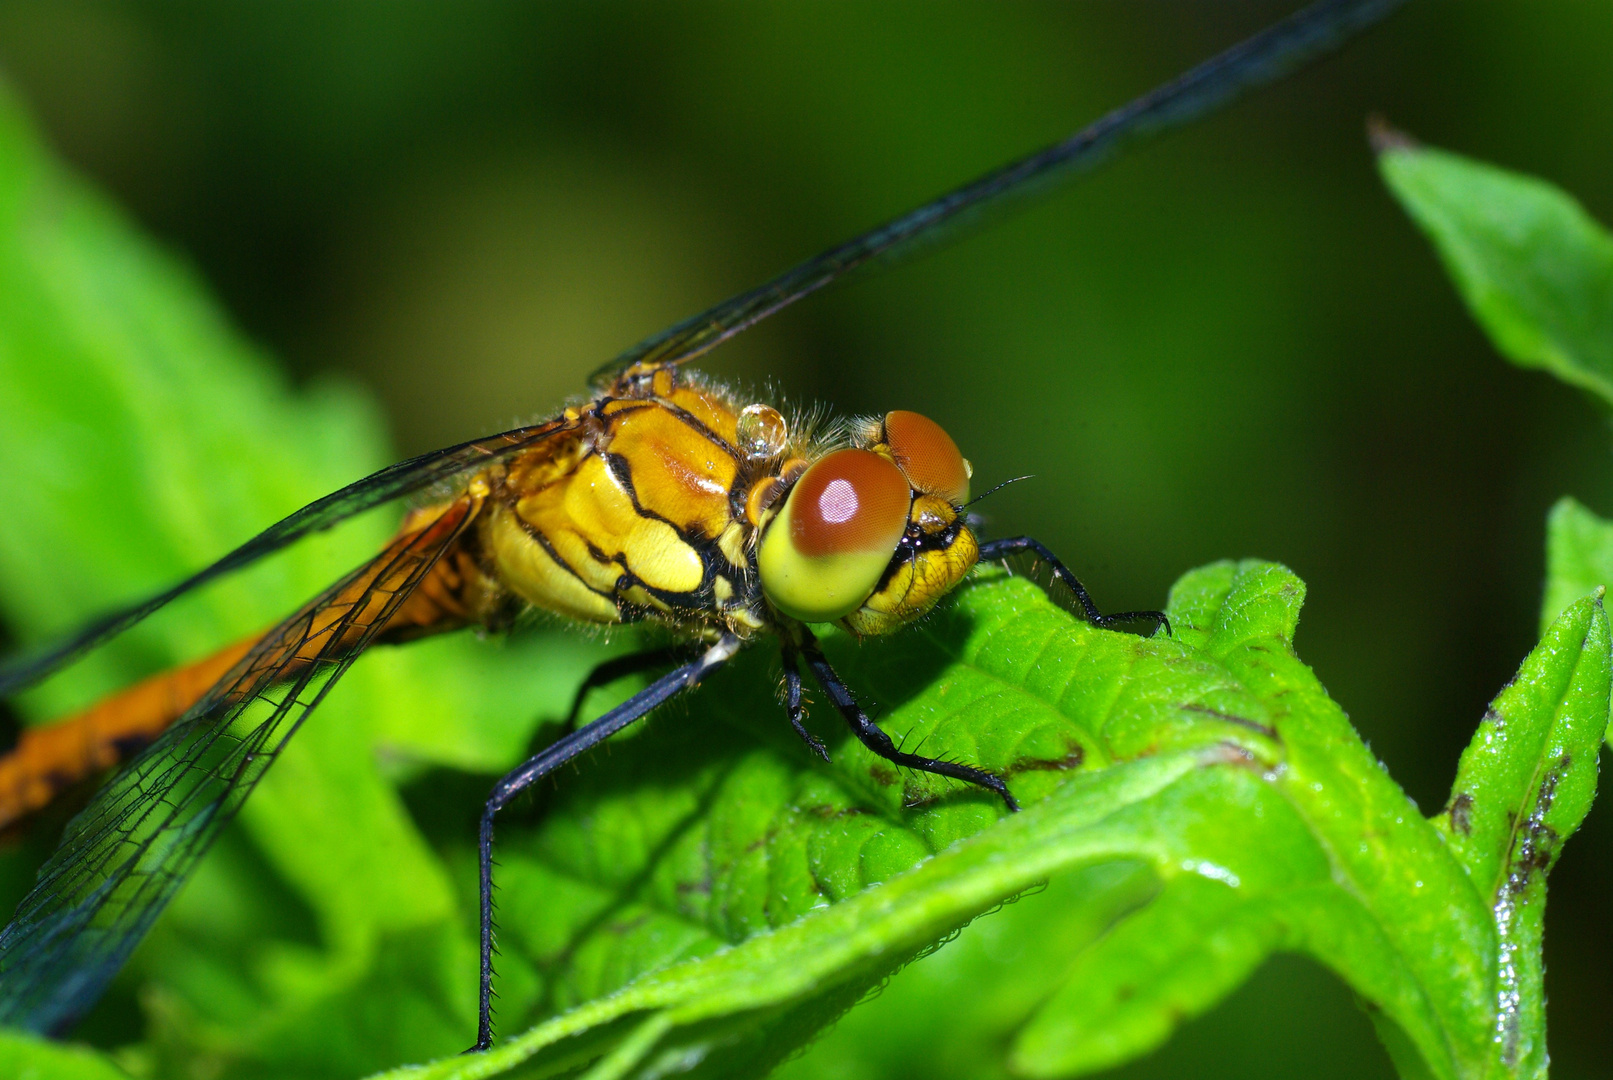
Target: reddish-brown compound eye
[[836, 533], [851, 501], [927, 456]]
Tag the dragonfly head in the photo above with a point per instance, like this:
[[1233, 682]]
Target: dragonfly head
[[872, 535]]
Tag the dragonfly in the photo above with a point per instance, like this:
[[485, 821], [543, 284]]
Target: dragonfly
[[663, 498]]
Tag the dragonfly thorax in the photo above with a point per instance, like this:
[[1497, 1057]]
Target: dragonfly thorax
[[666, 498], [637, 511]]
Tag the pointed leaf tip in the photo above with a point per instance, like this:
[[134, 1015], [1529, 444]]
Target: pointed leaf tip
[[1225, 604], [1579, 557], [1384, 137], [1534, 268], [1523, 787], [1554, 710]]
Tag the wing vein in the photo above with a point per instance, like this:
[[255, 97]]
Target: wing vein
[[124, 857]]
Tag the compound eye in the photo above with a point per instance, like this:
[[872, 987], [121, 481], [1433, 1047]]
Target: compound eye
[[927, 456], [830, 544]]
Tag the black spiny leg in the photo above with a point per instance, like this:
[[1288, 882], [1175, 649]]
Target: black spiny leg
[[996, 550], [879, 742], [562, 751], [620, 667], [792, 705]]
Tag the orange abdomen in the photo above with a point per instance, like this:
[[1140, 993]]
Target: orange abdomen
[[53, 757], [49, 759]]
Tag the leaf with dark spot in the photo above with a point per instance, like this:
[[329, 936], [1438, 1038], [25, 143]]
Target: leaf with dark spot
[[1461, 813], [1520, 791]]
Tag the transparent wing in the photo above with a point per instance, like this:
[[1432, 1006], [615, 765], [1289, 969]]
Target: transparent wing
[[392, 482], [1261, 59], [122, 859]]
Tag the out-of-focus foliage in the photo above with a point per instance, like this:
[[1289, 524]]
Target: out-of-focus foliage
[[1536, 271], [1579, 555], [708, 895], [28, 1057], [143, 437]]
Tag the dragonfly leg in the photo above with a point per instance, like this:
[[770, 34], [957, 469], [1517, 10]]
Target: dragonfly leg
[[620, 667], [793, 708], [874, 737], [561, 751], [996, 550]]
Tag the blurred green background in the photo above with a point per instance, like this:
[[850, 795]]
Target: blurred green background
[[1231, 343]]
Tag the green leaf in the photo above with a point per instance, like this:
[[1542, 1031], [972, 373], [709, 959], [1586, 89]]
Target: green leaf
[[27, 1057], [1523, 787], [1534, 268], [1251, 842], [1579, 557]]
